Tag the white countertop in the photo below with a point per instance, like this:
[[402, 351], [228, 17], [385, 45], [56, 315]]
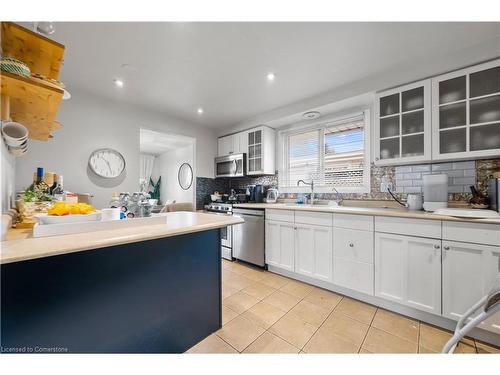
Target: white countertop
[[177, 223], [375, 211]]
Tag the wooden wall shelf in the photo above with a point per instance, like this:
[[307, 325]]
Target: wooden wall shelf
[[42, 55], [27, 100], [32, 103]]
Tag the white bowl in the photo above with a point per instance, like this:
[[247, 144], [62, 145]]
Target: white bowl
[[76, 218], [16, 151], [14, 133]]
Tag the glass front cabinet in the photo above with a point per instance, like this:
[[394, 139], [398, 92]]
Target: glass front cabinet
[[466, 113], [261, 151], [403, 124], [449, 117]]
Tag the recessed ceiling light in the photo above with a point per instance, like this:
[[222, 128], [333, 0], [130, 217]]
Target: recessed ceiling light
[[271, 76], [200, 111], [311, 115], [118, 82]]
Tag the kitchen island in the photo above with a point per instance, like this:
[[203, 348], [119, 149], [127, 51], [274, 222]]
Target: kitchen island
[[147, 289]]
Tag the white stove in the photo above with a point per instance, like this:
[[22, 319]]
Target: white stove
[[226, 234], [220, 207]]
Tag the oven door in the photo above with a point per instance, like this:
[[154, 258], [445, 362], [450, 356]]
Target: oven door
[[230, 166], [226, 238]]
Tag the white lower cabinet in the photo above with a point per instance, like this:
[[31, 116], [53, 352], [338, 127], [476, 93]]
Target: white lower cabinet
[[353, 259], [408, 271], [422, 269], [313, 251], [469, 273], [280, 244]]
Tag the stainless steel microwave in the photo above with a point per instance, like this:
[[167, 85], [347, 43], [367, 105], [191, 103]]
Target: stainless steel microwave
[[230, 165]]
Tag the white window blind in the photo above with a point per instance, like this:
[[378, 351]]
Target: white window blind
[[332, 154], [303, 156]]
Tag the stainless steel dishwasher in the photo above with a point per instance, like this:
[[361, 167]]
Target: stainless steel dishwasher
[[248, 238]]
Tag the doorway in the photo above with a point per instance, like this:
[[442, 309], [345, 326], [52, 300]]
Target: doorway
[[166, 162]]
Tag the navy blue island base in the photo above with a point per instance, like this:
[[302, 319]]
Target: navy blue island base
[[155, 296]]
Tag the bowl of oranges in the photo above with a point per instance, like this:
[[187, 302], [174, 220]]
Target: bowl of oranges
[[62, 212]]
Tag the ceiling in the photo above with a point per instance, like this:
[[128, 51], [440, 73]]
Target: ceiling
[[176, 68], [156, 143]]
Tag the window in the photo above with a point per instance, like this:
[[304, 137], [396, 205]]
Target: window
[[333, 153]]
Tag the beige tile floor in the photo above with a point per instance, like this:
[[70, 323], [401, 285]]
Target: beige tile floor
[[267, 313]]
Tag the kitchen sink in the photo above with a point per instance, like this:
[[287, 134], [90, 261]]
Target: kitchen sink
[[328, 204]]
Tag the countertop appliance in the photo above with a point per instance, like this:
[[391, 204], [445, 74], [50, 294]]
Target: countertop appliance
[[414, 202], [494, 193], [272, 195], [230, 165], [248, 238], [255, 193], [435, 191]]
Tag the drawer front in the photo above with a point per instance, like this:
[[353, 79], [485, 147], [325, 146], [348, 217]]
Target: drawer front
[[354, 245], [353, 275], [408, 227], [349, 221], [313, 218], [280, 215], [488, 234]]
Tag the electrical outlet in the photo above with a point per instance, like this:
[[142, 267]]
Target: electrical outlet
[[385, 184]]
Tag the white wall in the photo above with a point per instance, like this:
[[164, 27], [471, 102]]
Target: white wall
[[7, 192], [91, 122], [169, 167]]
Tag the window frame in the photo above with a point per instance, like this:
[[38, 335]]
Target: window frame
[[283, 147]]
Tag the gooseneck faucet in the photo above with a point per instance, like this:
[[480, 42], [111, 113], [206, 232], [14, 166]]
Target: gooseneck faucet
[[339, 199], [312, 188]]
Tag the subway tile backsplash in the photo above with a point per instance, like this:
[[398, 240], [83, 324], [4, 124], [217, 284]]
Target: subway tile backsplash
[[461, 175]]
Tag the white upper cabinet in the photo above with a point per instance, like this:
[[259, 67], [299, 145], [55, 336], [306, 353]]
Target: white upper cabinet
[[232, 144], [261, 151], [225, 145], [402, 132], [466, 113], [259, 146]]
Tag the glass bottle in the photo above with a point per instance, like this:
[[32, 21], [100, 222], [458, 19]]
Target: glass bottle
[[54, 184], [58, 192], [40, 185]]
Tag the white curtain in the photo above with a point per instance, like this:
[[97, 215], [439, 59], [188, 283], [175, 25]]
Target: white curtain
[[145, 170]]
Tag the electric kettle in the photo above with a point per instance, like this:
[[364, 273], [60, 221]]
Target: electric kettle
[[272, 195]]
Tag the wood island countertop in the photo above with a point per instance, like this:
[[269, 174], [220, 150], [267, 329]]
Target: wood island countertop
[[21, 245]]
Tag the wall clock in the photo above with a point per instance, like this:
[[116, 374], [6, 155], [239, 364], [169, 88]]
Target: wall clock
[[107, 163]]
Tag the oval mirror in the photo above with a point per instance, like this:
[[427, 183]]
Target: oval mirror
[[185, 176]]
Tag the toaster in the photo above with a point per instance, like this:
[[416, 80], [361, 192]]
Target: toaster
[[494, 193]]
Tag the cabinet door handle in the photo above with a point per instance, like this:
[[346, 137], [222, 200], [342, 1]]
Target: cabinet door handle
[[376, 158], [446, 247], [436, 246], [351, 244]]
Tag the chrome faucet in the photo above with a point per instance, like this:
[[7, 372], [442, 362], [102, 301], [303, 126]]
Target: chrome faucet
[[312, 188], [339, 199]]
